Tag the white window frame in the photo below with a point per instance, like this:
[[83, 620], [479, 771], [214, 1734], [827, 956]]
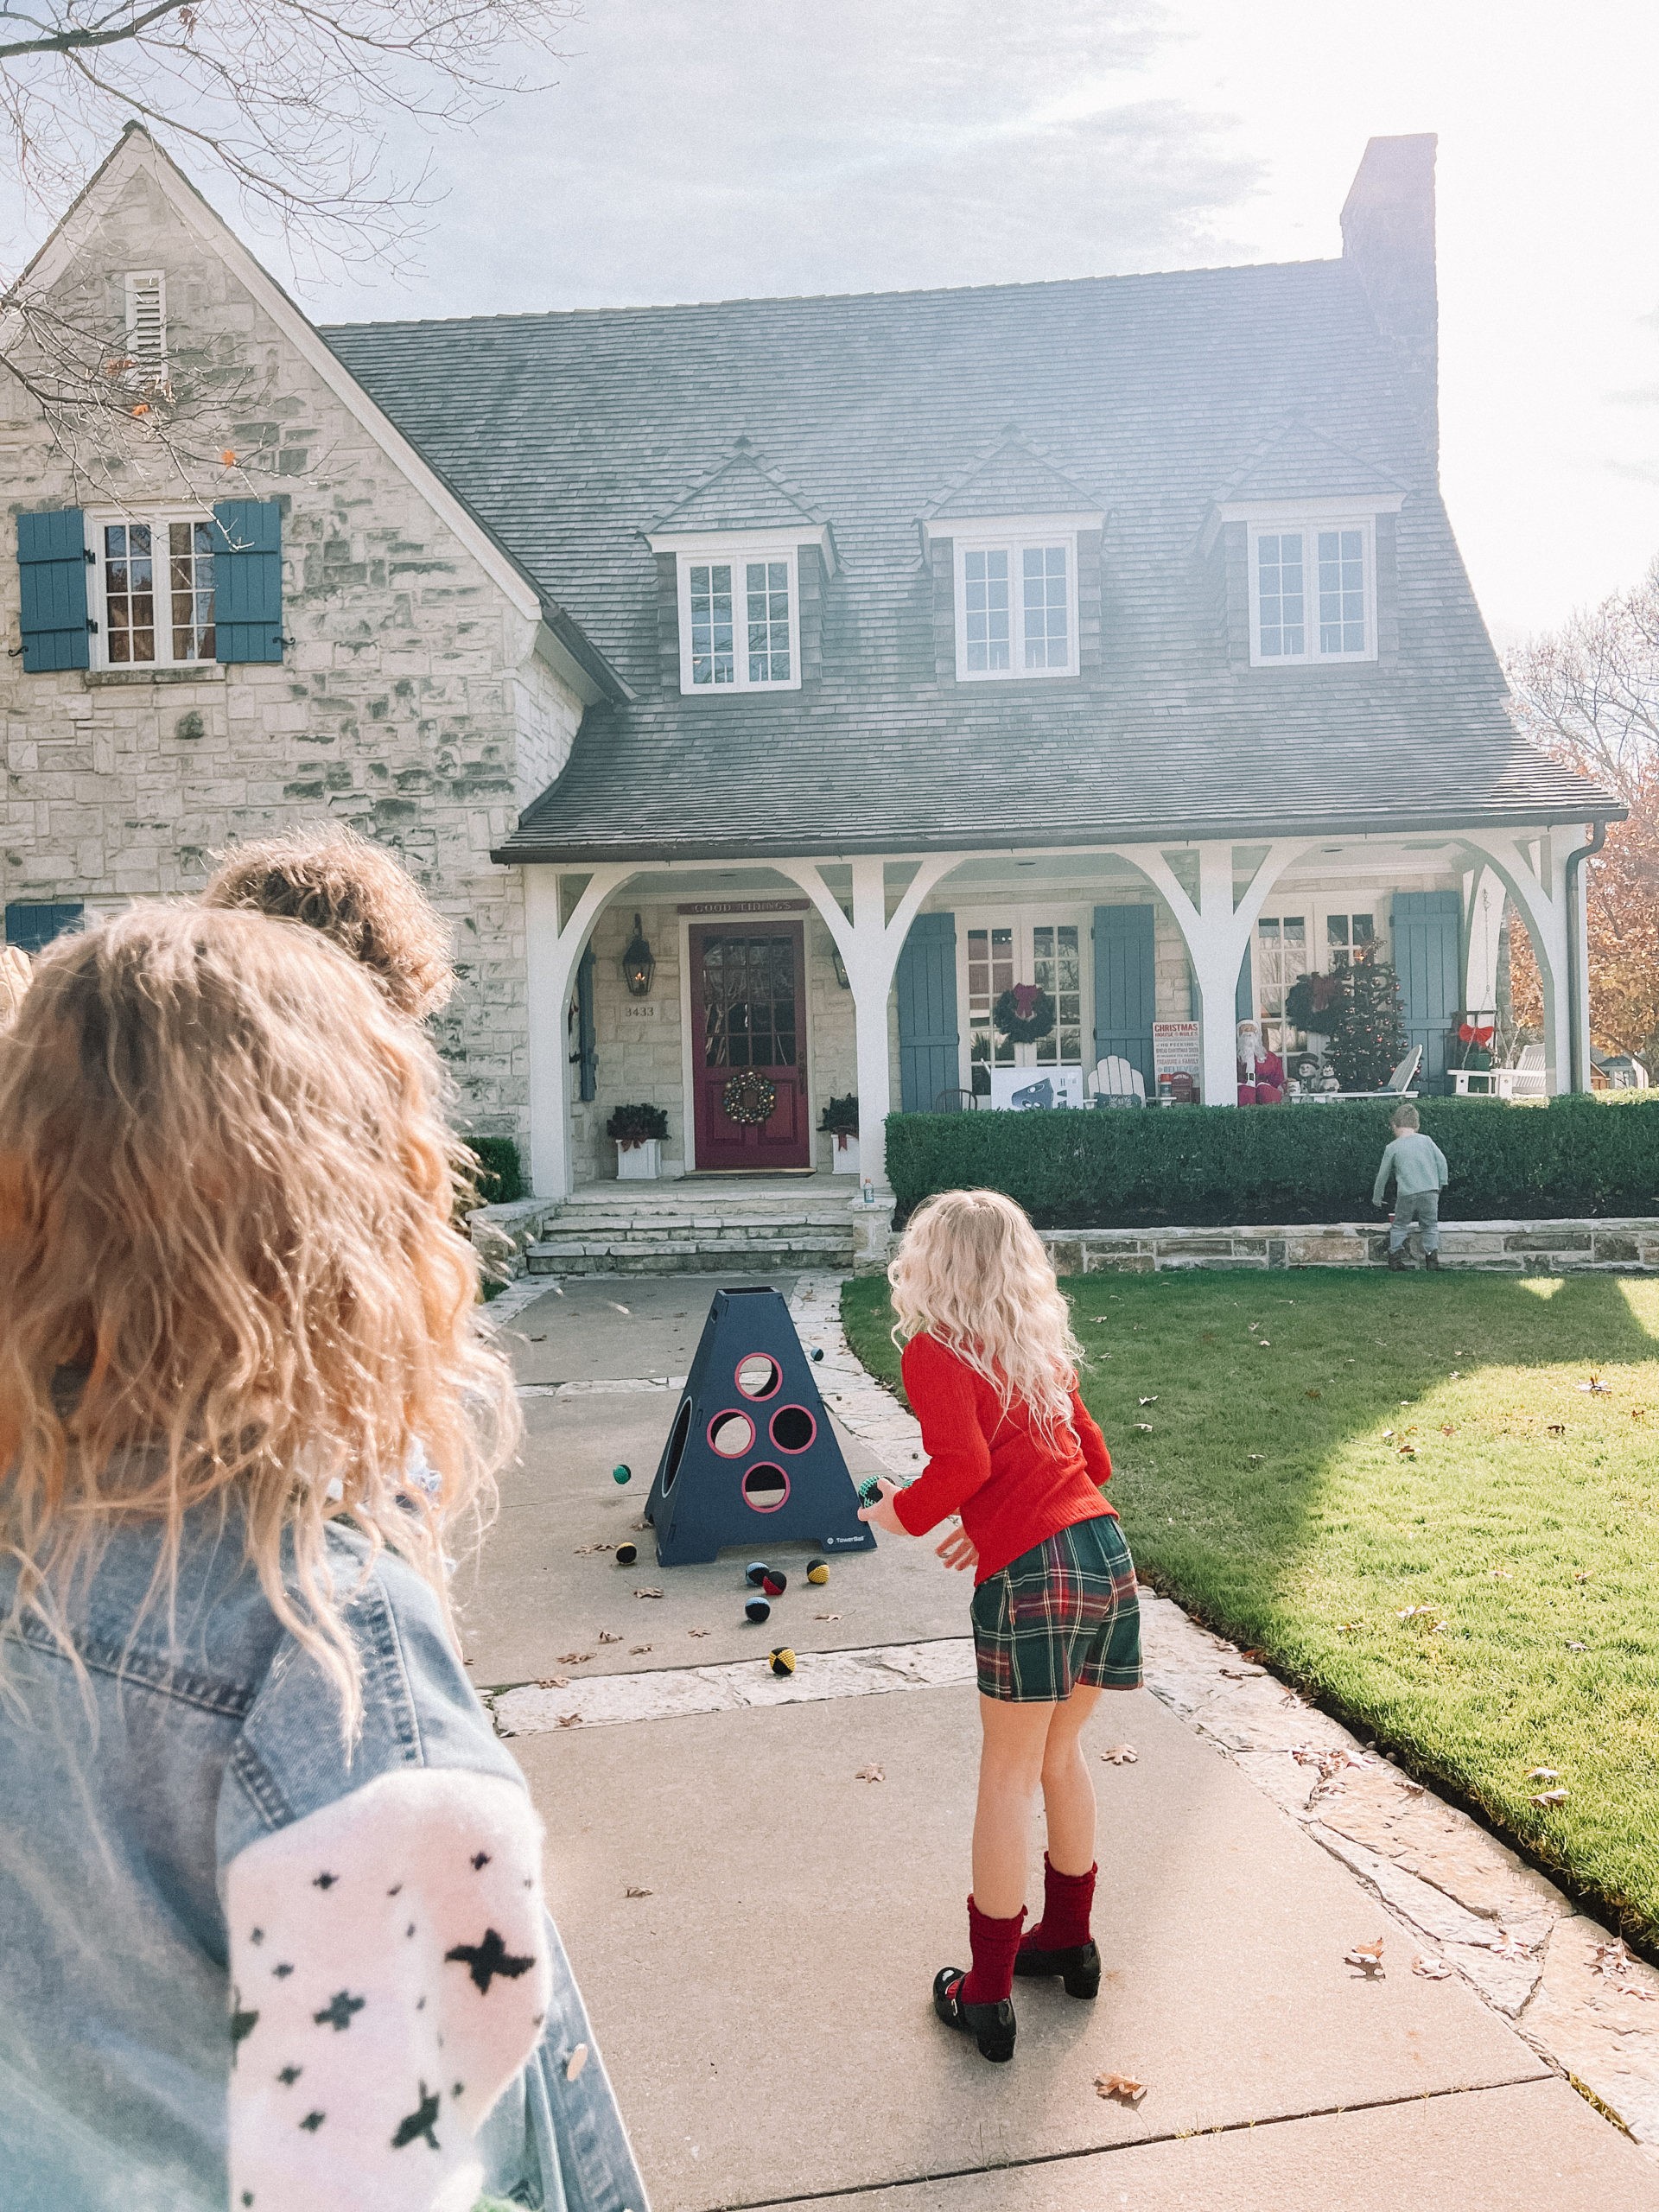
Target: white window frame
[[1308, 523], [738, 551], [1014, 535], [147, 351], [1022, 919], [97, 519]]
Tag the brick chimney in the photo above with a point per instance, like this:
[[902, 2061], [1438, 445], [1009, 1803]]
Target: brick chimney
[[1387, 238]]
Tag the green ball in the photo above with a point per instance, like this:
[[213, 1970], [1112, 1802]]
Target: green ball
[[621, 1472]]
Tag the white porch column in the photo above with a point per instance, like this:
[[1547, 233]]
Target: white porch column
[[869, 945], [1532, 867], [1217, 935], [550, 958]]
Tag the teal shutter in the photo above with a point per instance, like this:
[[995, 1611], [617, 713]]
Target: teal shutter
[[248, 580], [1244, 994], [1126, 987], [925, 981], [587, 1051], [51, 564], [32, 928], [1427, 932]]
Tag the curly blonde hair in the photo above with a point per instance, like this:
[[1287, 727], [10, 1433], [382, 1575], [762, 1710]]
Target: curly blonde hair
[[356, 893], [973, 1272], [225, 1199]]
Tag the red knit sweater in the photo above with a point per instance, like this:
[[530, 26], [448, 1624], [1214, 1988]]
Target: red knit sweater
[[1012, 1490]]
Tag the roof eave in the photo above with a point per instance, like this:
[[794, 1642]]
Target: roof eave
[[576, 659], [524, 847]]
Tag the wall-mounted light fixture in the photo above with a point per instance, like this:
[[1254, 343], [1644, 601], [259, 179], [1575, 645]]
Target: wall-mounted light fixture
[[639, 963], [840, 965]]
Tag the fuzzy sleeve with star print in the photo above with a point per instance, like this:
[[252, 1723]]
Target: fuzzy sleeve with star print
[[389, 1978]]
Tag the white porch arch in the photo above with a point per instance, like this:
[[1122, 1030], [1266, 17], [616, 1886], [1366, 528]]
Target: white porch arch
[[1532, 866]]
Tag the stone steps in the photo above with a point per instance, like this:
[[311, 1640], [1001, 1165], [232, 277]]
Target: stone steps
[[769, 1233]]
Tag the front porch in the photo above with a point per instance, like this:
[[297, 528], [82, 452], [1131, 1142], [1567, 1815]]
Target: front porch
[[777, 984]]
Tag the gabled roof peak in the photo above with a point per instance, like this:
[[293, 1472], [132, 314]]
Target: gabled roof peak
[[1297, 461], [1012, 475], [741, 492]]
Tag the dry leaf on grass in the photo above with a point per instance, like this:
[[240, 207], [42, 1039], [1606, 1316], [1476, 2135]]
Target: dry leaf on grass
[[1501, 1574], [1577, 1647], [1121, 1754], [630, 1891], [1387, 1434], [1412, 1611], [1597, 1387], [1120, 2086], [871, 1773], [1557, 1427], [1430, 1969], [1582, 1575], [552, 1682], [1550, 1797], [1545, 1774], [569, 1720], [1151, 1400], [1347, 1628], [1368, 1957], [1313, 1394], [1145, 1427], [604, 1637], [1263, 1343], [647, 1594], [1408, 1451]]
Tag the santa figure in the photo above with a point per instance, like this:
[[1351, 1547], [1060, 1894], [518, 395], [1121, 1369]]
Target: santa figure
[[1260, 1073]]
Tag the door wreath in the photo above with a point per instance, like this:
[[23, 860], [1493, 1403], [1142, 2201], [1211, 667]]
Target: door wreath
[[1024, 1013], [749, 1099]]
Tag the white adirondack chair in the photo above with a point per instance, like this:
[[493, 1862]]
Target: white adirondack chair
[[1118, 1079]]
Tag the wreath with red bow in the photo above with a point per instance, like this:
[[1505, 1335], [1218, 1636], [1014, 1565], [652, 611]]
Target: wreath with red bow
[[1023, 1014]]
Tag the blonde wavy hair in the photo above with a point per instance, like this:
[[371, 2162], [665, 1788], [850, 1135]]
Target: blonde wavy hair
[[356, 893], [225, 1190], [973, 1272]]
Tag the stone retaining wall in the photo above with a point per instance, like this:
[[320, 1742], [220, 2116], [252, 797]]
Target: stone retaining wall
[[1513, 1247]]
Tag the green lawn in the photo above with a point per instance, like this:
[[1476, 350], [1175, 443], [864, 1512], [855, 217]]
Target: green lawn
[[1268, 1495]]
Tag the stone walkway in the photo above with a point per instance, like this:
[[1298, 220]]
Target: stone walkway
[[753, 1877]]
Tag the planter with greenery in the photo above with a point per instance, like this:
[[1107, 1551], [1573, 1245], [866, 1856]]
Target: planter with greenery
[[637, 1132], [839, 1119]]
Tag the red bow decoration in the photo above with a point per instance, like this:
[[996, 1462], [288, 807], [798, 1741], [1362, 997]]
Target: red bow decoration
[[1026, 996], [1465, 1032]]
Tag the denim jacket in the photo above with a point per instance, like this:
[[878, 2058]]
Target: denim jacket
[[126, 1794]]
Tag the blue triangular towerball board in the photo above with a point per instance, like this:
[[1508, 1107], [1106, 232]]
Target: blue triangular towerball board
[[751, 1453]]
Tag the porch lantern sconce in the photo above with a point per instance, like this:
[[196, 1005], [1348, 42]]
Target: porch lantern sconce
[[840, 966], [639, 963]]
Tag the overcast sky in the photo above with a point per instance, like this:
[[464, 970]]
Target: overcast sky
[[711, 148]]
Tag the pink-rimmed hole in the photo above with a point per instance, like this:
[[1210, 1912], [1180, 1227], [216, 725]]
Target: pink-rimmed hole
[[731, 1434], [792, 1428], [759, 1375], [764, 1487]]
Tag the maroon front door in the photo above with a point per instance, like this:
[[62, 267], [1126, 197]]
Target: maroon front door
[[748, 1001]]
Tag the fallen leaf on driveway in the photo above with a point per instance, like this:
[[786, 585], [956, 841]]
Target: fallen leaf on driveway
[[1119, 2086], [647, 1594], [1368, 1957], [1121, 1754], [574, 1658], [871, 1773], [553, 1682], [699, 1632], [635, 1651], [1611, 1958], [581, 1550], [569, 1720], [1430, 1969], [641, 1526], [604, 1637], [1241, 1674], [1510, 1947], [1550, 1797], [630, 1891], [826, 1617]]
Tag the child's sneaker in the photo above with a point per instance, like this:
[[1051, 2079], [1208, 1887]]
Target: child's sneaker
[[1397, 1262], [1432, 1260]]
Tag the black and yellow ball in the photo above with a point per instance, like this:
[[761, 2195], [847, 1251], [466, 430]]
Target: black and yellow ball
[[755, 1571], [774, 1582], [626, 1555], [818, 1570], [758, 1609], [621, 1472], [783, 1661]]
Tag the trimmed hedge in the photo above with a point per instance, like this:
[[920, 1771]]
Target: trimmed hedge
[[1208, 1166], [500, 1179]]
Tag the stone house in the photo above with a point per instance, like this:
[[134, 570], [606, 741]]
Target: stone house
[[767, 686]]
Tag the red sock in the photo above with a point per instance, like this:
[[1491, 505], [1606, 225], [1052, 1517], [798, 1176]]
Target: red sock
[[1066, 1902], [990, 1978]]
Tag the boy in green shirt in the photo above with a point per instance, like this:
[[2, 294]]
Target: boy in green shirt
[[1417, 1167]]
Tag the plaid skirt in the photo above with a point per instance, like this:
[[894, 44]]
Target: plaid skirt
[[1063, 1615]]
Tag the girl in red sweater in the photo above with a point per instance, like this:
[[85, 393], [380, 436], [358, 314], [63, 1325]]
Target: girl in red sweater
[[990, 1367]]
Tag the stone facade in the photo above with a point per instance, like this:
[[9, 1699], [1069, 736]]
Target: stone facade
[[410, 702]]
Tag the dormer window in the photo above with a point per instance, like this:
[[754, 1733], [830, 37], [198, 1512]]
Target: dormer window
[[1016, 594], [1312, 590], [739, 617]]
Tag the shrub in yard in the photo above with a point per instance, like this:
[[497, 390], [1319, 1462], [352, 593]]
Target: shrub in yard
[[500, 1180], [1214, 1164]]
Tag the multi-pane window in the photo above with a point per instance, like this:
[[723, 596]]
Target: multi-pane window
[[1280, 958], [1349, 938], [156, 579], [1056, 968], [990, 972], [1016, 612], [738, 623], [748, 1002], [1311, 591]]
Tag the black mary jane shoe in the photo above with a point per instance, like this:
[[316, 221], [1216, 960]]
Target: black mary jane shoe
[[992, 2026], [1079, 1966]]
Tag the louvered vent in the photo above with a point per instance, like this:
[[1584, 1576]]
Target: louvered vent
[[147, 320]]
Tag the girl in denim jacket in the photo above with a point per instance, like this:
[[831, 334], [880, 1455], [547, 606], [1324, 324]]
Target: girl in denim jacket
[[271, 1930]]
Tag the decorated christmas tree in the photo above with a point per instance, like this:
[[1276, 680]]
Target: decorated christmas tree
[[1368, 1030]]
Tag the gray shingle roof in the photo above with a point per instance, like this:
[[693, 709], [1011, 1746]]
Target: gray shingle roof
[[573, 434]]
